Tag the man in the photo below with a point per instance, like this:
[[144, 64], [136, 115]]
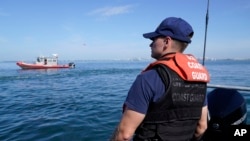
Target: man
[[167, 101]]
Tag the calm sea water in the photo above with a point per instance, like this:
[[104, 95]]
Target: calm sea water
[[81, 104]]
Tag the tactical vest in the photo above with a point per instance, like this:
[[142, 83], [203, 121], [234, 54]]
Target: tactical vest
[[175, 115]]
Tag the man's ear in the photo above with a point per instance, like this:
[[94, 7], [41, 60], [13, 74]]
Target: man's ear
[[166, 39], [166, 42], [165, 45]]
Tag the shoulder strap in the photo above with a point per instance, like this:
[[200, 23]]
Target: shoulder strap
[[164, 74]]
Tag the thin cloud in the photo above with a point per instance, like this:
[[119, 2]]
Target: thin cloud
[[111, 11]]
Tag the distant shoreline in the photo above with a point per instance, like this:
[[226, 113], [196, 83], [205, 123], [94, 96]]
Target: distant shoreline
[[135, 59]]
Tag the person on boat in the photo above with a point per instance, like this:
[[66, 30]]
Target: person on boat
[[167, 101], [45, 61], [38, 59]]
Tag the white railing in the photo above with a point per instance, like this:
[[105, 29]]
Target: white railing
[[240, 88]]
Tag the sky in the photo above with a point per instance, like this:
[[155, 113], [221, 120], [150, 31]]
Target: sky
[[112, 29]]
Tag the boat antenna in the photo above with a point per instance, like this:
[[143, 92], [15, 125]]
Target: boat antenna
[[205, 40]]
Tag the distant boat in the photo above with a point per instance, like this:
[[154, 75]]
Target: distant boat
[[45, 63]]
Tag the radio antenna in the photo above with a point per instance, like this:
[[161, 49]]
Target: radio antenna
[[205, 40]]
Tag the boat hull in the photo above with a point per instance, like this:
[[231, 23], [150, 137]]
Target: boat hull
[[24, 65]]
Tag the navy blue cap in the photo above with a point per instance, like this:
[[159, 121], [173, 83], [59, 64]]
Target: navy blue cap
[[174, 27]]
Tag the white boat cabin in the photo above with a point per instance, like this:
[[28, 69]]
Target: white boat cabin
[[41, 60]]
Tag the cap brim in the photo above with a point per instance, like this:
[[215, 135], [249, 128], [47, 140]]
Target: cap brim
[[150, 35]]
